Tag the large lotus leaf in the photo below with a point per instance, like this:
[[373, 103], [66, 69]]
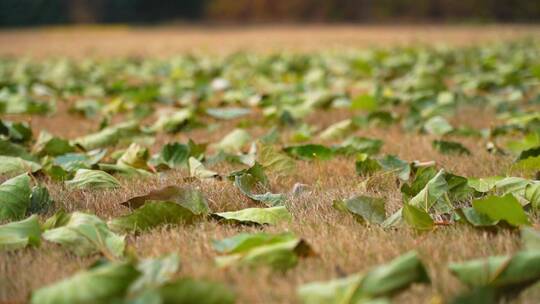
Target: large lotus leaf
[[400, 167], [135, 156], [109, 136], [274, 161], [438, 126], [188, 198], [47, 144], [417, 218], [20, 234], [310, 151], [11, 165], [14, 197], [383, 280], [187, 290], [153, 214], [505, 208], [86, 234], [102, 284], [507, 275], [93, 179], [364, 208], [198, 170], [436, 188], [261, 216], [338, 130], [450, 147], [234, 141], [8, 148], [280, 251]]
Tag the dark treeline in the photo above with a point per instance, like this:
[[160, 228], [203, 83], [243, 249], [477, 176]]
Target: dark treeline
[[39, 12]]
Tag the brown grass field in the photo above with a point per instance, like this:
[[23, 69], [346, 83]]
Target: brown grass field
[[343, 245]]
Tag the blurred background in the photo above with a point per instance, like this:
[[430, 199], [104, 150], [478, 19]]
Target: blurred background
[[22, 13]]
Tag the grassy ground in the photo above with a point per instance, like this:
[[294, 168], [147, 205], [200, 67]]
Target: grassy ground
[[343, 245]]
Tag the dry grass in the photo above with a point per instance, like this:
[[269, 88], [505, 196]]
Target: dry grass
[[343, 245], [166, 41]]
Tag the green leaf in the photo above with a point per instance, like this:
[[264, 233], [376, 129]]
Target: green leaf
[[382, 280], [172, 122], [507, 275], [310, 152], [14, 197], [47, 144], [8, 148], [153, 214], [102, 284], [135, 156], [417, 218], [338, 130], [431, 193], [391, 163], [155, 272], [234, 141], [484, 184], [530, 239], [357, 144], [93, 179], [10, 165], [188, 198], [364, 102], [365, 165], [532, 194], [261, 216], [109, 136], [280, 251], [227, 113], [506, 208], [20, 234], [471, 216], [71, 162], [40, 200], [198, 170], [188, 290], [364, 208], [450, 147], [438, 126], [274, 161], [85, 234], [254, 180]]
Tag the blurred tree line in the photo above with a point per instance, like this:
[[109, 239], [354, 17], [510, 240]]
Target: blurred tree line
[[37, 12]]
